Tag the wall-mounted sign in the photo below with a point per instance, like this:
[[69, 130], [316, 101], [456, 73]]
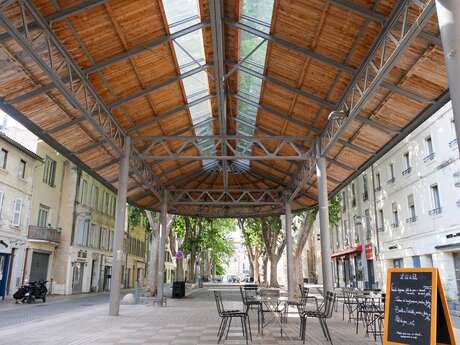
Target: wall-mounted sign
[[368, 250], [416, 311]]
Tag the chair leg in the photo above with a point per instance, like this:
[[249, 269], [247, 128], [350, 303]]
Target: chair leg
[[258, 320], [220, 326], [225, 319], [228, 329], [249, 326], [327, 331], [243, 328], [322, 327]]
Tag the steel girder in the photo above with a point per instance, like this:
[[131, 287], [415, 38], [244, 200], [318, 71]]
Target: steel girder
[[122, 57], [78, 91], [222, 197], [291, 144], [381, 58]]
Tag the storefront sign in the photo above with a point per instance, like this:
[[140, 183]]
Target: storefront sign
[[368, 250]]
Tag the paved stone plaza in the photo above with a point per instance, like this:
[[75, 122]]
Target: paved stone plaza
[[190, 321]]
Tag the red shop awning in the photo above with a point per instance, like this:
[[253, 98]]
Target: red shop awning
[[355, 250]]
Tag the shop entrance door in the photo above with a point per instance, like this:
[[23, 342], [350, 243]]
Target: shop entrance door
[[39, 267], [77, 280], [457, 269], [4, 264]]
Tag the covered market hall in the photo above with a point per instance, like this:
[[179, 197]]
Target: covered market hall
[[229, 108]]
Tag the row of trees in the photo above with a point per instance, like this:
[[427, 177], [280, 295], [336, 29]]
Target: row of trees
[[265, 240], [201, 245]]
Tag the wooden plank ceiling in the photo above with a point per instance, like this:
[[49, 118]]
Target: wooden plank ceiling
[[113, 27]]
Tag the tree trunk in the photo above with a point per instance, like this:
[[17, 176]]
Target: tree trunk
[[153, 254], [274, 272], [265, 272], [251, 269], [255, 266]]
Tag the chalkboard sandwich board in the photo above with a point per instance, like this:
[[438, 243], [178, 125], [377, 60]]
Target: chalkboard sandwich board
[[416, 309]]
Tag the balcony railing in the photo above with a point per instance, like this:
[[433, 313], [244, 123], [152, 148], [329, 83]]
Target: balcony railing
[[395, 225], [407, 171], [411, 219], [435, 211], [430, 157], [44, 234]]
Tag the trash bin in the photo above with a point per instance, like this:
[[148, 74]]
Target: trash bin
[[178, 290]]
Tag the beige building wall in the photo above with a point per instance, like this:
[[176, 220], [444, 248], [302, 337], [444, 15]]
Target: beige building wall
[[15, 191]]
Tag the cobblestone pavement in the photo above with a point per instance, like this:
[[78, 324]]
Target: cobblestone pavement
[[190, 321]]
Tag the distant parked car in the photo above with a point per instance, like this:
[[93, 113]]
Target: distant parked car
[[232, 278]]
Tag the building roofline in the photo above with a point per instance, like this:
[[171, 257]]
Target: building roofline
[[20, 147]]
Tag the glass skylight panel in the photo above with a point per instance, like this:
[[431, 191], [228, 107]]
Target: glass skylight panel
[[257, 14], [189, 50]]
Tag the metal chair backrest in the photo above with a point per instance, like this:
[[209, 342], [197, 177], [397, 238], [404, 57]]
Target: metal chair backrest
[[329, 303], [219, 303], [304, 291]]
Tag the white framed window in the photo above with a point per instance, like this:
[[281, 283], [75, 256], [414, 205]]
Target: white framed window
[[2, 197], [22, 168], [17, 210], [49, 171], [3, 158], [43, 212], [82, 233], [83, 192]]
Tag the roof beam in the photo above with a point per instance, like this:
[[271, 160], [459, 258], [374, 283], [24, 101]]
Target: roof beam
[[356, 95], [121, 101], [114, 59], [288, 45], [168, 114], [57, 16]]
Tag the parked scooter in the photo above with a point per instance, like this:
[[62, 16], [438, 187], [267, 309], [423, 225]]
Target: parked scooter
[[29, 293]]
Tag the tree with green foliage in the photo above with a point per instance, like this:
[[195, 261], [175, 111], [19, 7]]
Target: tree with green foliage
[[203, 238], [253, 242], [274, 242]]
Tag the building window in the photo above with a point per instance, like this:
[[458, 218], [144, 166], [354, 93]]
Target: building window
[[353, 195], [94, 197], [3, 158], [106, 203], [83, 192], [394, 210], [391, 170], [429, 149], [407, 167], [381, 221], [398, 263], [365, 189], [49, 172], [411, 205], [368, 224], [344, 201], [2, 197], [416, 261], [81, 236], [22, 168], [43, 212], [17, 210], [378, 182], [94, 236], [436, 200]]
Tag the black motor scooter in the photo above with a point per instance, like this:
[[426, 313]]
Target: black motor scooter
[[28, 293]]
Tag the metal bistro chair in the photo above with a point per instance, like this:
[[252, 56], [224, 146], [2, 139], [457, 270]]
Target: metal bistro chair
[[227, 317], [322, 313], [350, 304], [249, 297]]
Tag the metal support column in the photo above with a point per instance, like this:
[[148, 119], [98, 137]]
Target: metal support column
[[161, 249], [449, 24], [323, 205], [119, 230], [289, 250]]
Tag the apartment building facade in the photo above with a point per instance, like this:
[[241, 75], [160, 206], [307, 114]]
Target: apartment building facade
[[403, 211], [17, 165]]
